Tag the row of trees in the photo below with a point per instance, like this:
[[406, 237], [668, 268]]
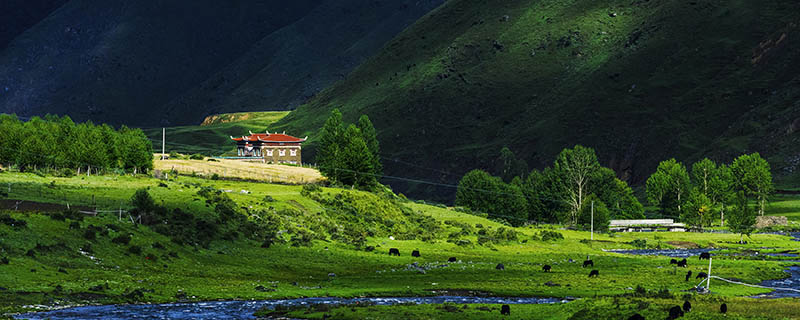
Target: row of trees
[[57, 143], [349, 155], [696, 195], [567, 192]]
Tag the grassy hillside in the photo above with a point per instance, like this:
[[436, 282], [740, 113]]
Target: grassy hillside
[[212, 136], [52, 260], [640, 81]]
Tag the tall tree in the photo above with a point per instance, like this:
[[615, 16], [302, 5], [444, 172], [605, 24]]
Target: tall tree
[[511, 166], [751, 174], [11, 130], [594, 210], [476, 191], [697, 211], [371, 139], [616, 195], [668, 187], [742, 218], [702, 173], [721, 189], [356, 160], [575, 168], [330, 143]]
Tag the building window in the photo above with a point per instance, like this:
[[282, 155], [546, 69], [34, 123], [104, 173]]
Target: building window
[[269, 153], [293, 153], [281, 153]]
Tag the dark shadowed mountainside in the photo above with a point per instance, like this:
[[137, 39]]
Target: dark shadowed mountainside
[[640, 81], [151, 63]]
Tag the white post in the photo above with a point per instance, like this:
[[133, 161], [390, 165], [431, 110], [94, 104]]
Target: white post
[[708, 282], [163, 142], [592, 235]]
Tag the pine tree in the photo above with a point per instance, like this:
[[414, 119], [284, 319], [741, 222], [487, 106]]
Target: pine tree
[[371, 139], [357, 160], [330, 145]]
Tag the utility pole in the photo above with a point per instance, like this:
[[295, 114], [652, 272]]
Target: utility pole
[[708, 282], [163, 142], [592, 235]]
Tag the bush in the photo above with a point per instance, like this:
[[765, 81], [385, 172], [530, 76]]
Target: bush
[[302, 237], [4, 260], [309, 189], [639, 243], [66, 173], [174, 155], [137, 250], [215, 177], [90, 234], [268, 198], [122, 239], [197, 156], [547, 235]]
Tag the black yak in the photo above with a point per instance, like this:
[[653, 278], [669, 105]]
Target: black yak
[[705, 255], [588, 263], [682, 263], [594, 273], [415, 253], [687, 306], [675, 313], [394, 252], [723, 308], [688, 275], [505, 309], [701, 275], [452, 259], [500, 266], [636, 316], [673, 261], [546, 268]]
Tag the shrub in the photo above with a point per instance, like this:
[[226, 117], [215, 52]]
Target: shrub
[[174, 155], [135, 250], [639, 243], [464, 242], [268, 198], [4, 260], [547, 235], [302, 237], [90, 234], [309, 189], [215, 177], [75, 225], [6, 219], [66, 172], [122, 239], [197, 156]]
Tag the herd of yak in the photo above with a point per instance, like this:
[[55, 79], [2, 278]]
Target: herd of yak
[[674, 312]]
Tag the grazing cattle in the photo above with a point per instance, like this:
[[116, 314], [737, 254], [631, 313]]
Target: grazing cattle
[[705, 255], [673, 261], [682, 263], [546, 268], [588, 263], [505, 309], [594, 273], [701, 275], [636, 316], [415, 253], [675, 313], [394, 252], [723, 308], [687, 306], [452, 259], [688, 275], [500, 266]]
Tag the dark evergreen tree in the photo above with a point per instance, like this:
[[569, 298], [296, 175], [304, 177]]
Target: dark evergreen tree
[[356, 160], [371, 139], [330, 145]]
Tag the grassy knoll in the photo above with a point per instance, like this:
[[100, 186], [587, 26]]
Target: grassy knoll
[[213, 136], [237, 169], [54, 262], [785, 205]]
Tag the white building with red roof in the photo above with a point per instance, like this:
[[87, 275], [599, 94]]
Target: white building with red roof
[[270, 147]]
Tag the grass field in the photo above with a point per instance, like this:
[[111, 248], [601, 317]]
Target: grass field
[[213, 136], [60, 269], [237, 169]]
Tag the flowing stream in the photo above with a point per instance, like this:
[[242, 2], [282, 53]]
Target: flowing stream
[[245, 309]]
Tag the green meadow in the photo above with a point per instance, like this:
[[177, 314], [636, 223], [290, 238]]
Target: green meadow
[[53, 262]]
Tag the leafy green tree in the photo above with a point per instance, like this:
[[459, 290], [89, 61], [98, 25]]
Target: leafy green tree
[[136, 150], [511, 166], [702, 173], [742, 218], [36, 145], [331, 139], [616, 195], [697, 211], [575, 168], [602, 216], [356, 160], [476, 191], [11, 130], [668, 187], [751, 174], [371, 139], [510, 203], [721, 189]]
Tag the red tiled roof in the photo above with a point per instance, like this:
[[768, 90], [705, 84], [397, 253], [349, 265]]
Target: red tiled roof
[[270, 137]]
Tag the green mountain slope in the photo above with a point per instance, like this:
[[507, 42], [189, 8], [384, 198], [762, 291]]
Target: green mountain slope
[[212, 137], [640, 81]]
